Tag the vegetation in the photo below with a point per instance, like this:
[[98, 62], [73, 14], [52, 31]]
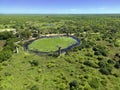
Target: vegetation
[[51, 44], [93, 65]]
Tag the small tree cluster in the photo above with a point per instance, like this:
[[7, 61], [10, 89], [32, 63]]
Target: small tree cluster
[[6, 35], [86, 44], [5, 55], [104, 68], [90, 63], [94, 83], [117, 65], [99, 50], [34, 63], [73, 85]]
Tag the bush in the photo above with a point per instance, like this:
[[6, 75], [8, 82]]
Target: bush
[[62, 86], [99, 50], [102, 64], [34, 63], [117, 55], [87, 63], [10, 44], [35, 87], [91, 64], [105, 71], [7, 74], [100, 58], [117, 65], [104, 53], [86, 44], [110, 61], [94, 83], [5, 55], [6, 35], [73, 85], [97, 53]]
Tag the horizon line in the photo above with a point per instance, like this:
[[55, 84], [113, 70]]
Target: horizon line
[[54, 13]]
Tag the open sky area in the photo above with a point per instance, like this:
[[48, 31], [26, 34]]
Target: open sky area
[[59, 6]]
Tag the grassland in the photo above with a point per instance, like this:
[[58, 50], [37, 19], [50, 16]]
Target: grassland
[[51, 44], [54, 73]]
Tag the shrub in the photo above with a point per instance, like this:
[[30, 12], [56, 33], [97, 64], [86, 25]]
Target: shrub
[[110, 61], [5, 55], [100, 58], [90, 63], [117, 55], [102, 64], [62, 86], [99, 50], [50, 65], [117, 65], [34, 63], [97, 53], [104, 52], [87, 63], [7, 74], [105, 71], [35, 87], [86, 44], [73, 85], [6, 35], [94, 83], [104, 82]]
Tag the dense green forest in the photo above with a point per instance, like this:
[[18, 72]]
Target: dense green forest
[[92, 65]]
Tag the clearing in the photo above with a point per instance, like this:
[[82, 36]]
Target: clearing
[[51, 43]]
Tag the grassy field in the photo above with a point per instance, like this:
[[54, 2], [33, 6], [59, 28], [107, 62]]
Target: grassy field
[[51, 44], [51, 73]]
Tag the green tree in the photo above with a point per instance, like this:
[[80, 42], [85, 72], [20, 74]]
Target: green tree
[[73, 85], [5, 55]]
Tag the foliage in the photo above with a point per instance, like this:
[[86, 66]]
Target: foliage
[[95, 83], [73, 85], [105, 71], [105, 67], [90, 63], [86, 44], [117, 55], [99, 50], [6, 35], [102, 64], [117, 65], [110, 61], [35, 87], [5, 55], [25, 34], [34, 63]]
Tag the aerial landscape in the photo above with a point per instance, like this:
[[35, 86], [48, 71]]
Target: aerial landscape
[[59, 45]]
